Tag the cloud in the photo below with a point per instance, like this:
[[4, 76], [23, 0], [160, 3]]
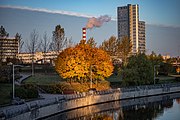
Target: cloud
[[48, 11], [164, 26]]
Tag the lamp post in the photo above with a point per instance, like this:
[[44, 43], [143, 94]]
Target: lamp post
[[155, 72], [13, 86]]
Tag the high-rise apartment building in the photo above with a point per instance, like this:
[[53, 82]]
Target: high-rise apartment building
[[142, 37], [128, 25]]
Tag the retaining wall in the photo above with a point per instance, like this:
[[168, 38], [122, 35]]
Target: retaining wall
[[47, 107]]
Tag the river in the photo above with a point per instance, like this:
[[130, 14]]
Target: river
[[162, 107]]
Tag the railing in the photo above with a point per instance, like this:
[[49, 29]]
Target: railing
[[28, 107]]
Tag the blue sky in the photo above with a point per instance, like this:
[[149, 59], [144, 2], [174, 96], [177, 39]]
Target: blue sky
[[161, 16], [163, 12]]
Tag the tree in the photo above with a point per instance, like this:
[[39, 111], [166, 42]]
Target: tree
[[32, 46], [83, 62], [139, 71], [45, 45], [92, 42], [59, 41], [3, 32], [124, 49], [21, 43], [110, 46]]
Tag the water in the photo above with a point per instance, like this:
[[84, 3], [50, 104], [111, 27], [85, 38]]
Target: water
[[164, 107]]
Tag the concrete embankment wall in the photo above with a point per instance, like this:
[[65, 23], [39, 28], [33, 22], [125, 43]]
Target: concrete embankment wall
[[70, 102], [143, 91], [43, 108]]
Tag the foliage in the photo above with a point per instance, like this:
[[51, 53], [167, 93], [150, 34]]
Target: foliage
[[5, 90], [56, 88], [120, 48], [26, 92], [21, 43], [3, 32], [124, 48], [82, 62], [64, 87], [92, 42], [139, 71], [110, 46], [59, 41], [155, 59], [5, 74], [165, 67]]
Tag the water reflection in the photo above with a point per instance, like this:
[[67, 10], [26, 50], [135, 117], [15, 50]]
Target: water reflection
[[148, 108]]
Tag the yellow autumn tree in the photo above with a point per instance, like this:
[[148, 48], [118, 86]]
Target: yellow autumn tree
[[82, 62]]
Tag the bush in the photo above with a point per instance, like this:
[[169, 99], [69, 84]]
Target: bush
[[55, 88], [26, 92]]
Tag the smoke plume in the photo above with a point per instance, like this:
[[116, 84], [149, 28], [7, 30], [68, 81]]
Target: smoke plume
[[97, 22]]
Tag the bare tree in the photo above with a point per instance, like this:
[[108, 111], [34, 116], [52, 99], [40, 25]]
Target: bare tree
[[33, 46], [45, 45]]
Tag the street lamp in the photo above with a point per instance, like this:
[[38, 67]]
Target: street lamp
[[13, 92], [155, 72], [91, 74]]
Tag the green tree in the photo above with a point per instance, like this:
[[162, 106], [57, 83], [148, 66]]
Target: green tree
[[3, 32], [59, 40], [21, 42], [124, 49], [139, 71], [110, 46], [92, 42]]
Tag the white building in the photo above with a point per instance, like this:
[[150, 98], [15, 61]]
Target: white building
[[39, 57]]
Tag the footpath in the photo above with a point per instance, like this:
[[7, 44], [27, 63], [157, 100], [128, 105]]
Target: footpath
[[49, 104]]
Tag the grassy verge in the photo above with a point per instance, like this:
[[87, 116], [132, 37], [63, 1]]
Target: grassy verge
[[114, 78], [43, 79], [5, 90]]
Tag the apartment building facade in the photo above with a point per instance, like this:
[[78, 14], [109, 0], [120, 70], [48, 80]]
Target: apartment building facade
[[9, 47], [129, 24]]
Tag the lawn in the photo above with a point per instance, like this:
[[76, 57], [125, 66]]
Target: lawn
[[5, 90], [114, 78], [43, 79], [166, 79]]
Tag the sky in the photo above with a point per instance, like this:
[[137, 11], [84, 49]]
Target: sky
[[161, 16]]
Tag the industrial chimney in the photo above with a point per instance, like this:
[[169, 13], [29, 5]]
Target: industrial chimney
[[84, 33]]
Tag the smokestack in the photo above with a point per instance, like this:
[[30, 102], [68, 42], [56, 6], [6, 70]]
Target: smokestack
[[97, 22], [84, 33]]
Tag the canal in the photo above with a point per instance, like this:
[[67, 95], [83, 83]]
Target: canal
[[162, 107]]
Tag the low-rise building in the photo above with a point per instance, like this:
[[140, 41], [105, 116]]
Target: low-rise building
[[39, 57], [9, 47]]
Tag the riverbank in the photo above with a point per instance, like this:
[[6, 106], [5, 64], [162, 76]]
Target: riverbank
[[43, 108]]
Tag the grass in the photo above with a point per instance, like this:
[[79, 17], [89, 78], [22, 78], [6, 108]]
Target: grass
[[5, 90], [43, 79], [166, 79], [114, 78]]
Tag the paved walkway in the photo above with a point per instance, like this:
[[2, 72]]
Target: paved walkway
[[43, 97], [24, 77]]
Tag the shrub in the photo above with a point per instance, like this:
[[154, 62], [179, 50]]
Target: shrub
[[26, 92]]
